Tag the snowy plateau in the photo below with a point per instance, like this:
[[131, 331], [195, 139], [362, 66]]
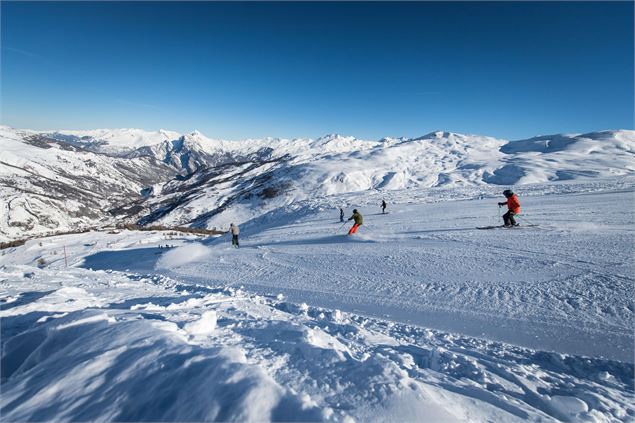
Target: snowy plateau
[[420, 317]]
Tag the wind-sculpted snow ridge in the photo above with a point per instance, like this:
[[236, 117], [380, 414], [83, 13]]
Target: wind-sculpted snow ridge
[[81, 345]]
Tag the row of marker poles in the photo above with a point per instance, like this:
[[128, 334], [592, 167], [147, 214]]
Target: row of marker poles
[[65, 259]]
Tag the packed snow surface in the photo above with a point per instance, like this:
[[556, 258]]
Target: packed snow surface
[[421, 317]]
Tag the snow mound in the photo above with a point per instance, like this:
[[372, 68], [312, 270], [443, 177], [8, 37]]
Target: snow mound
[[132, 371], [203, 326], [183, 255], [270, 361]]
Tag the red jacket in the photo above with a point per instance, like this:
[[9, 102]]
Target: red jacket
[[513, 204]]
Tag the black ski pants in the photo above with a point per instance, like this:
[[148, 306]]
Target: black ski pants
[[508, 218], [235, 240]]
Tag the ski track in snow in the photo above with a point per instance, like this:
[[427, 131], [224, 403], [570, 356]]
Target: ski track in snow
[[439, 321]]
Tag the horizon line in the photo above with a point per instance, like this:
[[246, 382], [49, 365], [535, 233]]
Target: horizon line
[[194, 131]]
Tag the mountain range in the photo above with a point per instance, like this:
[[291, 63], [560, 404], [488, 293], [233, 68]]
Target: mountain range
[[53, 181]]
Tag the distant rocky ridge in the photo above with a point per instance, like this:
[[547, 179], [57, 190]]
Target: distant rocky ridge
[[57, 181]]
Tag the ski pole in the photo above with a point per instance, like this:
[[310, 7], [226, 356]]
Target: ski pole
[[525, 220], [340, 228]]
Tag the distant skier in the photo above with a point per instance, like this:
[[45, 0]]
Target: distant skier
[[359, 220], [341, 214], [383, 206], [513, 206], [234, 231]]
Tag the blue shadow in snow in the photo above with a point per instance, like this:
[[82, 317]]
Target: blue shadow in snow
[[333, 239], [431, 231], [27, 297], [137, 260]]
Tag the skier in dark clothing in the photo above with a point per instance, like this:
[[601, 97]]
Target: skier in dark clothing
[[513, 208], [341, 214], [383, 206], [359, 220]]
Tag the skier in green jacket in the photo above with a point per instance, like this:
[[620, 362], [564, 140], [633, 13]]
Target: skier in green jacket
[[359, 220]]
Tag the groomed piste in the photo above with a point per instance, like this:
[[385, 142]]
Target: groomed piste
[[420, 316]]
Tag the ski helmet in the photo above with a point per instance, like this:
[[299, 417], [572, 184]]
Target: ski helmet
[[508, 193], [354, 210]]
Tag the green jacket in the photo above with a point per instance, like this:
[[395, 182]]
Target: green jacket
[[358, 218]]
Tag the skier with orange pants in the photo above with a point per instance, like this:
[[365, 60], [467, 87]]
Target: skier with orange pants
[[359, 220], [513, 208]]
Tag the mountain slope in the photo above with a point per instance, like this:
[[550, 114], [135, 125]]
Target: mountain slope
[[57, 180], [113, 141], [47, 186], [566, 157], [303, 169]]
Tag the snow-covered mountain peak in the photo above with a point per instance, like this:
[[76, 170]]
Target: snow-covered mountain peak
[[451, 136], [393, 139], [433, 135], [197, 141], [621, 134], [167, 133], [7, 131], [333, 136], [620, 140], [113, 141], [336, 143], [192, 139], [441, 134], [333, 139]]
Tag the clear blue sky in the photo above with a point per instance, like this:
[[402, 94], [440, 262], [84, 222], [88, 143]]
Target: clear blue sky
[[237, 70]]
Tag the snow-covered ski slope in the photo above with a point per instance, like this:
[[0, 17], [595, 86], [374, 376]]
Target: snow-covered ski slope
[[421, 317], [566, 285]]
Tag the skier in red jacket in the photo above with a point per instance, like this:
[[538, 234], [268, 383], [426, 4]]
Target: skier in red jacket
[[513, 206]]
